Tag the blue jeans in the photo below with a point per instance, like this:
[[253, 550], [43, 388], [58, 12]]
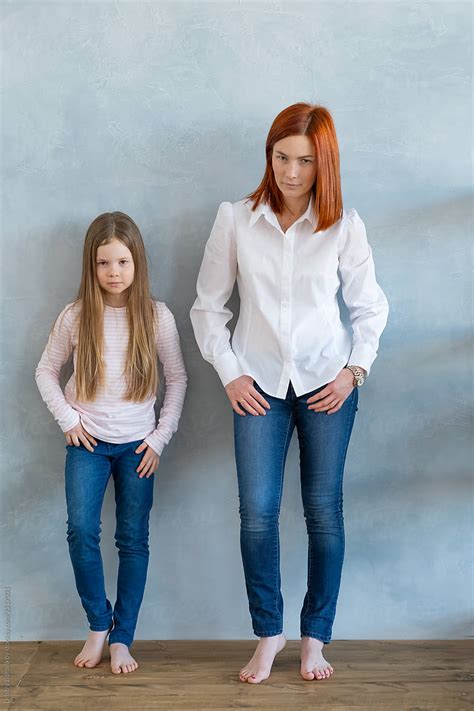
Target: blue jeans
[[87, 474], [261, 446]]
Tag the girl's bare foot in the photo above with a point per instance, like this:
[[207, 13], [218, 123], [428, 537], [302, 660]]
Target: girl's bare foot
[[121, 661], [91, 653], [259, 667], [313, 664]]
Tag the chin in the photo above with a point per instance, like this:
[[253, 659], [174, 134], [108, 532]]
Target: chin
[[293, 193]]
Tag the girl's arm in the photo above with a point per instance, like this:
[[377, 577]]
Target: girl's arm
[[364, 298], [216, 280], [55, 355], [169, 353]]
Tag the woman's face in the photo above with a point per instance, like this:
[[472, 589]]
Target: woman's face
[[294, 165]]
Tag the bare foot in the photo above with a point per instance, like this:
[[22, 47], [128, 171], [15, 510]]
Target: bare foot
[[91, 653], [259, 667], [121, 661], [313, 664]]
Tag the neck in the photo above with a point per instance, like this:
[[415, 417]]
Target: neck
[[297, 206], [115, 300]]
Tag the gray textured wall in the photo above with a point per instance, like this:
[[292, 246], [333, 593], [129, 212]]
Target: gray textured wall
[[161, 110]]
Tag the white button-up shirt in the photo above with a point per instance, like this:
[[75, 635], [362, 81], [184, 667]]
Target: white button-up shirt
[[289, 326]]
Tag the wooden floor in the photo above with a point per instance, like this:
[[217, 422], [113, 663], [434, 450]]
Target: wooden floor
[[202, 676]]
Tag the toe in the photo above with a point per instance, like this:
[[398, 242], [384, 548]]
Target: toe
[[308, 675], [253, 679]]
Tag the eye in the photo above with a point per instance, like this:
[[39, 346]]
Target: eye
[[281, 157], [307, 160], [101, 263], [124, 261]]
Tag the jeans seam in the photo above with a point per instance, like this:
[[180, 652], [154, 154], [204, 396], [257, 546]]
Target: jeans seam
[[282, 468], [349, 426]]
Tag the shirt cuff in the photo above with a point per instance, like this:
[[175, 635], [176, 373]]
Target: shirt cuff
[[228, 367], [363, 356], [70, 420], [155, 442]]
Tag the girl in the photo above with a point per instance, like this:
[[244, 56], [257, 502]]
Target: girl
[[292, 364], [116, 333]]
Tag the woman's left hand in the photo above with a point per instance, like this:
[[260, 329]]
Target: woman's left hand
[[149, 462], [331, 398]]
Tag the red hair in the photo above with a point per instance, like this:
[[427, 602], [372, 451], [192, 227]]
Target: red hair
[[316, 123]]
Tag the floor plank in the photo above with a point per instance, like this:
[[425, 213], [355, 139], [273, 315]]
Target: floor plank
[[203, 676]]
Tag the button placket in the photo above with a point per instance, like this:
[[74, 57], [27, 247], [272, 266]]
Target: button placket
[[285, 306]]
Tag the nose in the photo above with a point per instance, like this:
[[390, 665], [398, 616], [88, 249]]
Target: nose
[[293, 172]]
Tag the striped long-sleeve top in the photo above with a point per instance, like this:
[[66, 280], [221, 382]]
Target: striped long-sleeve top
[[109, 417]]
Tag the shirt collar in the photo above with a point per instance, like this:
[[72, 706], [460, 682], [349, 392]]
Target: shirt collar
[[264, 209]]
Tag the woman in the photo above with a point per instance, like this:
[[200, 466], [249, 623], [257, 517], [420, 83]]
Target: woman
[[292, 363]]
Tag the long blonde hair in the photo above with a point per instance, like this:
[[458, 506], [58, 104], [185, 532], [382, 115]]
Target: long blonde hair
[[141, 368]]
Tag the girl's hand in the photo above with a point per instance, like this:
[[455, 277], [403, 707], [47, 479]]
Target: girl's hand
[[150, 461], [243, 396], [78, 436], [331, 398]]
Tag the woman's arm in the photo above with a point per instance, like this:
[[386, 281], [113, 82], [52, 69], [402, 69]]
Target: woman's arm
[[216, 279], [364, 298], [55, 355], [170, 355]]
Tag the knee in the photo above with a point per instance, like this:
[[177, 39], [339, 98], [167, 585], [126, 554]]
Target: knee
[[257, 518], [132, 538], [324, 514], [82, 534]]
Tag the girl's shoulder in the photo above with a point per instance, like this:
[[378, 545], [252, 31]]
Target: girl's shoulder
[[159, 306], [68, 317], [162, 313]]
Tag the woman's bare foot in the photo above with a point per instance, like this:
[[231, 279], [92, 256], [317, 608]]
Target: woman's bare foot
[[121, 661], [259, 667], [313, 664], [91, 653]]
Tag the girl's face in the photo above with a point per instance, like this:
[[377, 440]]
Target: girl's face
[[114, 269], [294, 166]]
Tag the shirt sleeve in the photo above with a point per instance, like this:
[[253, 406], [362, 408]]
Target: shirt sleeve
[[55, 355], [216, 279], [171, 357], [364, 298]]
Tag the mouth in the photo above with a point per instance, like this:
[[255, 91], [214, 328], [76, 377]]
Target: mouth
[[114, 283], [291, 185]]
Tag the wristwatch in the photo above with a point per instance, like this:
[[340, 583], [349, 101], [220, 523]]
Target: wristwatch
[[358, 373]]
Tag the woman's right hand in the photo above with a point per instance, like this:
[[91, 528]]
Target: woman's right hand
[[78, 436], [243, 396]]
